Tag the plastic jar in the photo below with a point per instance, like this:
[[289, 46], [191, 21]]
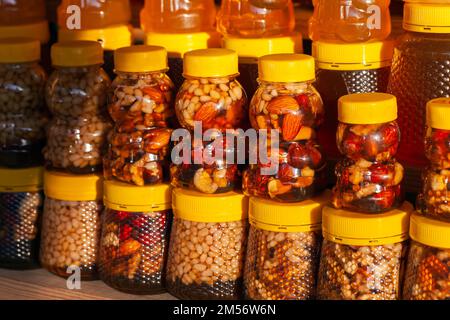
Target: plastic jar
[[71, 224], [283, 249], [427, 274], [420, 72], [345, 69], [76, 96], [363, 255], [350, 21], [211, 94], [286, 99], [301, 174], [104, 21], [207, 246], [22, 106], [21, 201], [369, 179], [135, 234]]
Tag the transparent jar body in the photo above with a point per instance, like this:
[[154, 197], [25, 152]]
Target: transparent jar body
[[420, 72], [301, 174], [140, 101], [437, 147], [95, 14], [23, 115], [219, 103], [333, 84], [352, 21], [427, 274], [70, 237], [281, 265], [178, 16], [139, 157], [77, 134], [368, 187], [296, 109], [20, 214], [206, 260], [133, 250], [256, 18], [434, 201], [360, 272], [18, 12]]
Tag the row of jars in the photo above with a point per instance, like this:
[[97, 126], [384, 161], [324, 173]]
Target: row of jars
[[218, 247]]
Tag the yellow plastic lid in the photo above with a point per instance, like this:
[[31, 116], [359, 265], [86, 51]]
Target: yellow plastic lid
[[353, 56], [426, 18], [438, 113], [286, 68], [19, 50], [177, 44], [258, 47], [199, 207], [430, 232], [367, 108], [140, 58], [211, 63], [287, 217], [122, 196], [70, 187], [21, 180], [361, 229], [111, 38], [39, 31], [77, 54]]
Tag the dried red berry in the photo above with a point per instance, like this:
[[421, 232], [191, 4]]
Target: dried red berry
[[123, 215], [389, 136], [302, 100], [379, 173], [384, 199], [352, 144], [125, 232], [298, 156]]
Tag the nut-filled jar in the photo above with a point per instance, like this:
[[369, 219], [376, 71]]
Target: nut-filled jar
[[21, 201], [22, 104], [141, 94], [369, 178], [363, 254], [210, 93], [71, 224], [207, 245], [134, 239], [298, 173], [283, 249], [427, 274], [76, 96]]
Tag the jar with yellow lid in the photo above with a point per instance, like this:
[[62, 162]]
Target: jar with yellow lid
[[283, 249], [23, 115], [135, 235], [207, 245], [71, 224], [362, 254], [344, 69], [369, 178], [420, 72], [435, 196], [21, 201], [286, 99], [210, 94], [76, 95], [107, 22], [427, 274]]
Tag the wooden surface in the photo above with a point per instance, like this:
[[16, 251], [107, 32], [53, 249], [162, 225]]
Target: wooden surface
[[39, 284]]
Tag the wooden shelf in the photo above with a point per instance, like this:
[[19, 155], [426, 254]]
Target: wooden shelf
[[40, 284]]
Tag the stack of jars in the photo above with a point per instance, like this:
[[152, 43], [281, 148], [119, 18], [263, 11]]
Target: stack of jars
[[366, 229], [353, 56], [22, 135], [257, 28], [76, 139], [133, 246]]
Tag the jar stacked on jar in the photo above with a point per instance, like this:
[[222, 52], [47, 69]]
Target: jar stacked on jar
[[140, 104], [288, 108], [211, 105]]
